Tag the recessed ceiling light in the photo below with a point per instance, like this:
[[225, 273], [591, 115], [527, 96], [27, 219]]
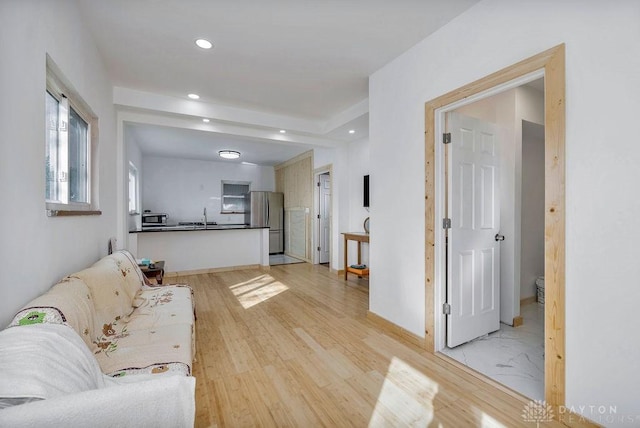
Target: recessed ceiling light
[[194, 96], [282, 131], [229, 154], [204, 44], [352, 131], [205, 120]]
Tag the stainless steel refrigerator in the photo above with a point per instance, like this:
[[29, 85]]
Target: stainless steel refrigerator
[[266, 209]]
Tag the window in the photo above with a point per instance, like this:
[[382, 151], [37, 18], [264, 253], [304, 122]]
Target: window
[[233, 196], [70, 126], [133, 189]]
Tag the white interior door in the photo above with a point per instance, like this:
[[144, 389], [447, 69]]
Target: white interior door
[[473, 251], [324, 222]]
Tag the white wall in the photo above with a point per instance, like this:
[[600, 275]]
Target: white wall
[[134, 156], [323, 156], [36, 251], [602, 272], [529, 107], [349, 164], [358, 158], [183, 187], [532, 243]]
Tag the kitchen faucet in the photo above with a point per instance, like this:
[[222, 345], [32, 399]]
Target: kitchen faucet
[[205, 217]]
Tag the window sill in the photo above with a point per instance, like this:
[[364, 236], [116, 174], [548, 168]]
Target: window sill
[[70, 213]]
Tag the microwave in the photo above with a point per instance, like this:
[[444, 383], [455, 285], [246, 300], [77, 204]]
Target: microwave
[[154, 219]]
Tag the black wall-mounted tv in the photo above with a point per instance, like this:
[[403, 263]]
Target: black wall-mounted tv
[[366, 191]]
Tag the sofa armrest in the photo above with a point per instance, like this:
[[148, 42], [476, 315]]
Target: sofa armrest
[[161, 402]]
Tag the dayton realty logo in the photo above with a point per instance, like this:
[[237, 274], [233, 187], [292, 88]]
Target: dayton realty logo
[[537, 411]]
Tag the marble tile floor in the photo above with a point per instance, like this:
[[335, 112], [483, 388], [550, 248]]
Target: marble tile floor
[[282, 259], [512, 356]]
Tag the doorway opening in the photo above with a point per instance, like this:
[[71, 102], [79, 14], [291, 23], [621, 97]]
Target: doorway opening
[[550, 65], [323, 221], [494, 174]]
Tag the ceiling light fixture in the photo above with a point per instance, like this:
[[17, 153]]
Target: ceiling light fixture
[[282, 131], [204, 44], [194, 96], [229, 154], [205, 120], [352, 131]]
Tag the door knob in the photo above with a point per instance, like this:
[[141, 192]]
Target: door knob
[[499, 237]]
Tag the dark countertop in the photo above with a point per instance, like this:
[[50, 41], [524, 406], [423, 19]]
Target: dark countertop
[[182, 228]]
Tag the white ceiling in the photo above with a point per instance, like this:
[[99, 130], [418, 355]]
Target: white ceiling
[[183, 143], [300, 59]]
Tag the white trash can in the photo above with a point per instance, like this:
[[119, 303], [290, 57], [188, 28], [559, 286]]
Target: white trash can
[[540, 288]]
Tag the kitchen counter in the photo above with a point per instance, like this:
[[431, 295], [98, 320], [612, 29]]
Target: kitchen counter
[[194, 249], [189, 228]]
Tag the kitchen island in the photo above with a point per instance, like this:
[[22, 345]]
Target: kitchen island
[[196, 249]]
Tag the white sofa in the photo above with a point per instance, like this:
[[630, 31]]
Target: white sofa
[[101, 348]]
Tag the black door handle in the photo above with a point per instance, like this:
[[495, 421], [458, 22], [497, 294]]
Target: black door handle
[[499, 237]]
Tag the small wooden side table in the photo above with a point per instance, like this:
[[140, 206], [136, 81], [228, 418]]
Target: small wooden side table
[[157, 272], [359, 237]]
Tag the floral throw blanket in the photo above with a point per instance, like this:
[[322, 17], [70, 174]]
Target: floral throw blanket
[[129, 327]]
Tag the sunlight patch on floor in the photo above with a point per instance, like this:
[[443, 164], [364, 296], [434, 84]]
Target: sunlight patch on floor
[[246, 286], [406, 392], [257, 290], [487, 421]]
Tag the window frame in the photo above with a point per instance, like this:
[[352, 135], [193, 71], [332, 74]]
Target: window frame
[[223, 196], [68, 98]]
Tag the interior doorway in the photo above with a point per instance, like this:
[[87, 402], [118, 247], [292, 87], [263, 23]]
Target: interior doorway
[[494, 173], [549, 64], [323, 215]]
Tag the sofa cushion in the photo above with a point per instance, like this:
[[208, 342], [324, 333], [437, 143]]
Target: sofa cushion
[[118, 272], [165, 305], [69, 301], [132, 276], [110, 298], [124, 349], [43, 361]]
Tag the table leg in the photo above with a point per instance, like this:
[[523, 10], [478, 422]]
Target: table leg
[[346, 251], [359, 255]]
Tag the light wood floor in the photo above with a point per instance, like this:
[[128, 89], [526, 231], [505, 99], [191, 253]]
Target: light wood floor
[[293, 347]]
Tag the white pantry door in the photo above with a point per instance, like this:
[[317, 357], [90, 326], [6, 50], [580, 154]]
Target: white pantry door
[[473, 253], [325, 217]]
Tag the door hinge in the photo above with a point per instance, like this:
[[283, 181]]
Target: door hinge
[[446, 309], [318, 248], [446, 138], [317, 184], [318, 215], [446, 223]]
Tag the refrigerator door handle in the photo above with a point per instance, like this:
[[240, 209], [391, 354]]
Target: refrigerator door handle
[[268, 212]]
